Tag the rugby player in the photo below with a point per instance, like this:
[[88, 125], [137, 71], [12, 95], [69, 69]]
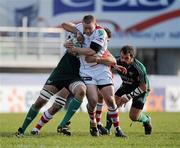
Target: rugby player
[[64, 78], [96, 76]]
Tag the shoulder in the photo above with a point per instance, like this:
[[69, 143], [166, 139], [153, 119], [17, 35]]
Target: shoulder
[[100, 32], [139, 66]]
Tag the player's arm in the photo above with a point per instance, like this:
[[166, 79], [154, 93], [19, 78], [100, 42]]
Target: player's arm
[[95, 45], [70, 27], [83, 51], [141, 89], [108, 60], [93, 49]]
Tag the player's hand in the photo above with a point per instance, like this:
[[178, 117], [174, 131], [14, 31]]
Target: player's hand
[[121, 101], [68, 45], [121, 69], [90, 59], [80, 37]]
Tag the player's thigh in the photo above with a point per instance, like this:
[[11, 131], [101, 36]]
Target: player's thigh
[[78, 89], [108, 94], [107, 91], [92, 94], [51, 88], [100, 97]]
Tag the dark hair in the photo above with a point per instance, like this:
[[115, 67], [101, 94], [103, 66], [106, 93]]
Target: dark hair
[[87, 19], [129, 49], [108, 31]]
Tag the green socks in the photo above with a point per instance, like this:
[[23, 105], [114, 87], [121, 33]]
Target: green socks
[[143, 118], [32, 113], [73, 107]]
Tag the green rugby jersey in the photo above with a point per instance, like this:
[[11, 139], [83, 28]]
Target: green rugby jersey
[[67, 68], [136, 74]]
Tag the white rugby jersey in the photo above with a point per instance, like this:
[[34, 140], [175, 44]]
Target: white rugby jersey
[[100, 37]]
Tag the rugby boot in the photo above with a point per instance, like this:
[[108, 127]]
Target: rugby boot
[[64, 130], [94, 130], [119, 133], [19, 133], [148, 127], [102, 130]]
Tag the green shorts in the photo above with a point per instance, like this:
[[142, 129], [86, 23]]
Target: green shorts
[[137, 102], [60, 83]]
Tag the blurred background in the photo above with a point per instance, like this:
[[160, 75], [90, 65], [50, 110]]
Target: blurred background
[[31, 41]]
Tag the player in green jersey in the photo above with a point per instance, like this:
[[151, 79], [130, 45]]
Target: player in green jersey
[[63, 78], [135, 86]]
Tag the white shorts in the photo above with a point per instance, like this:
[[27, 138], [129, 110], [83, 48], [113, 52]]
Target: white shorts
[[102, 77]]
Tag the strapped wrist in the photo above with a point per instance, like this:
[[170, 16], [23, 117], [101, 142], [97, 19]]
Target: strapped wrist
[[134, 93]]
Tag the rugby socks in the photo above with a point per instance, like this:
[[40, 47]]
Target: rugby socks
[[32, 113], [99, 107], [92, 115], [44, 119], [113, 114], [73, 107], [143, 118]]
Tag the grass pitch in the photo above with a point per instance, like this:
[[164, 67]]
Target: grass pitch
[[166, 133]]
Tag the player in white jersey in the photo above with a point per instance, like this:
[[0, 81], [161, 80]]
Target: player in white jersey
[[93, 73], [96, 76]]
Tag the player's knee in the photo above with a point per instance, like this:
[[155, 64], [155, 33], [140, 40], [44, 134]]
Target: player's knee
[[45, 94], [100, 98], [92, 103], [133, 117], [80, 92], [110, 102]]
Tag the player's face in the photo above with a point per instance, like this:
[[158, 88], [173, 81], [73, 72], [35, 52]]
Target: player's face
[[89, 28], [126, 59]]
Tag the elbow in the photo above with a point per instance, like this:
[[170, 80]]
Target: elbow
[[63, 24]]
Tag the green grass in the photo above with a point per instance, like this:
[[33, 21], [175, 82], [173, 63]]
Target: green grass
[[166, 133]]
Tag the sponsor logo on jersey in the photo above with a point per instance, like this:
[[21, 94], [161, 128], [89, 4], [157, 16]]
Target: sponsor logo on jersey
[[87, 78]]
